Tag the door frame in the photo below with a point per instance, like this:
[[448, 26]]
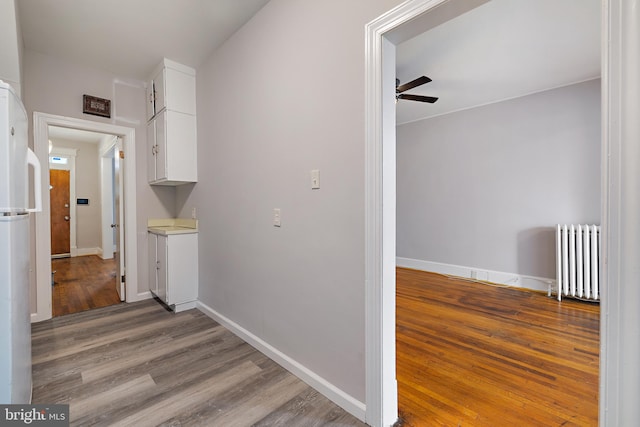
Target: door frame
[[41, 123], [620, 203]]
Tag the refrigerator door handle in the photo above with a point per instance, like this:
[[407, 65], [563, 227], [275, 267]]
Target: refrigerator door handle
[[32, 159]]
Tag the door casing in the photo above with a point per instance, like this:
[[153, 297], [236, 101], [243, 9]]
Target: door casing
[[619, 371], [42, 121]]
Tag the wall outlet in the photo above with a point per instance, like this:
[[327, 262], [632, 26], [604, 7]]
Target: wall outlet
[[193, 213], [277, 222]]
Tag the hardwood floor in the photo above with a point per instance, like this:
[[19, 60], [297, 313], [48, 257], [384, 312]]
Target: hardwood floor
[[83, 283], [140, 365], [469, 354], [472, 354]]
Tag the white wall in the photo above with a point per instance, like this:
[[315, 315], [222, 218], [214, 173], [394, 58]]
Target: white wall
[[56, 87], [285, 95], [483, 187]]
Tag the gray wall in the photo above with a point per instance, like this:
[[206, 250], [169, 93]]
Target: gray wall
[[285, 95], [88, 217], [56, 86], [483, 187]]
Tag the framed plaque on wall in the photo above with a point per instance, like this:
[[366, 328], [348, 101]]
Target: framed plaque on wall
[[96, 106]]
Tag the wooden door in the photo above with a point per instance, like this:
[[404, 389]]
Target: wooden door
[[60, 212]]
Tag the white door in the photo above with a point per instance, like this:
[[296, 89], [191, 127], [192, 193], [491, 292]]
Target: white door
[[118, 217]]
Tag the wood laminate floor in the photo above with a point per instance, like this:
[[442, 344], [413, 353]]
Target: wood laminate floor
[[471, 354], [140, 365], [83, 283]]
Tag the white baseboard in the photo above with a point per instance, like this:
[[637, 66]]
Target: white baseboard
[[86, 251], [103, 255], [502, 278], [131, 297], [333, 393]]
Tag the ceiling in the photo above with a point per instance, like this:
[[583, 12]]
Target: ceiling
[[130, 37], [500, 50], [76, 135]]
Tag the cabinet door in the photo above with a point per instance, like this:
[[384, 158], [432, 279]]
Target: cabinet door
[[182, 282], [159, 91], [180, 91], [153, 264], [150, 100], [161, 145], [181, 147], [163, 256], [151, 151]]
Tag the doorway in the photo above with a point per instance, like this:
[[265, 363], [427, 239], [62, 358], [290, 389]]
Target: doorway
[[467, 202], [621, 23], [85, 262], [43, 289]]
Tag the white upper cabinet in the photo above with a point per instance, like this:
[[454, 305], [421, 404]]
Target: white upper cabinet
[[171, 130]]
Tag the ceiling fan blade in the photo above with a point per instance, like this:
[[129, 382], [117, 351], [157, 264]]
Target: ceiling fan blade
[[429, 99], [414, 83]]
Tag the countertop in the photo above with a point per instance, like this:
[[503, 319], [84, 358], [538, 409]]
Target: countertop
[[170, 226]]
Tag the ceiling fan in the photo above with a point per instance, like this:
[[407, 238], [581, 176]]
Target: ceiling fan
[[414, 83]]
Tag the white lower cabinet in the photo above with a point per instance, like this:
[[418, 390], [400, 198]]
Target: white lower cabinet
[[173, 269]]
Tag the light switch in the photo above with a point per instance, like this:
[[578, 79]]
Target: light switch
[[315, 179], [276, 218]]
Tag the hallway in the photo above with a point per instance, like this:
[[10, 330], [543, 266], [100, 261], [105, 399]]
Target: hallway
[[83, 283]]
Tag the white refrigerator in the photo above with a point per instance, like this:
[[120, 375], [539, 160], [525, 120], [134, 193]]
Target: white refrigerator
[[15, 324]]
